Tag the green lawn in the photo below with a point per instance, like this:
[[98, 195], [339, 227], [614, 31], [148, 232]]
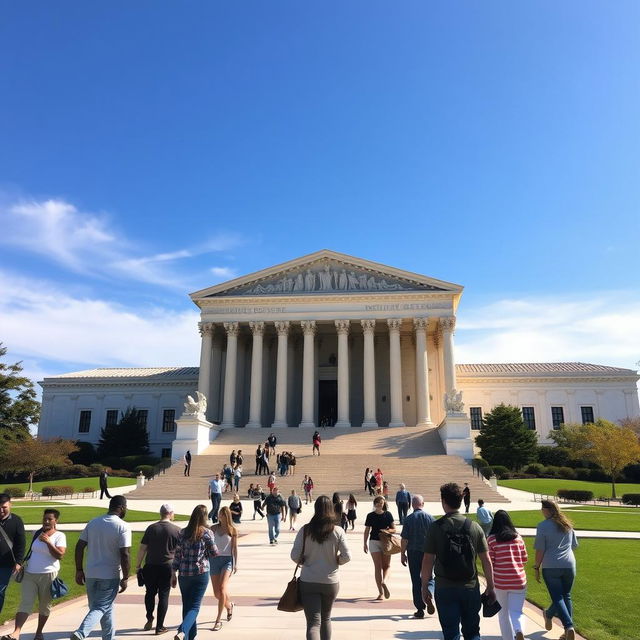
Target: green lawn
[[77, 483], [70, 514], [549, 486], [605, 594], [614, 521], [67, 574], [601, 508]]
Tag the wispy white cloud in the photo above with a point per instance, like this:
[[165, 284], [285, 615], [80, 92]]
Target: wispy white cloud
[[224, 273]]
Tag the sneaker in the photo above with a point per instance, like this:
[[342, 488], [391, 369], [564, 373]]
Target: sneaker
[[275, 541], [161, 630], [570, 633], [419, 614], [179, 636], [271, 542], [548, 622], [75, 636]]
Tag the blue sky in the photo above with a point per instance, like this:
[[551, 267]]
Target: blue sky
[[150, 149]]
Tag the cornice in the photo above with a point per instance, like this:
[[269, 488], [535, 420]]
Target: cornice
[[546, 378], [122, 383]]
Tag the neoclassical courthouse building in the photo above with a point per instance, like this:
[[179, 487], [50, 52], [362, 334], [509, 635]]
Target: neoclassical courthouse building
[[330, 339]]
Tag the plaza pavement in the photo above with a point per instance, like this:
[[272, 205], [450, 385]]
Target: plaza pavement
[[263, 572]]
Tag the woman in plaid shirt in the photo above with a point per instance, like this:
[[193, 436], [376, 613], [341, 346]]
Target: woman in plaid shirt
[[191, 561]]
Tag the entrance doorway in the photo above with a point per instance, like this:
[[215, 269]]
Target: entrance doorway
[[327, 402]]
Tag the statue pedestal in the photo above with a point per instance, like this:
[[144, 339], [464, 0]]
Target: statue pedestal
[[193, 433], [455, 433]]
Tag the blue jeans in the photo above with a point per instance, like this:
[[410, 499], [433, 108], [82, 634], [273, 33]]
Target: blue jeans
[[414, 560], [192, 589], [459, 606], [403, 509], [559, 583], [216, 498], [101, 594], [5, 576], [274, 526]]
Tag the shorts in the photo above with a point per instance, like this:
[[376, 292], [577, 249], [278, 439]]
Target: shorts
[[220, 564], [36, 586], [375, 546]]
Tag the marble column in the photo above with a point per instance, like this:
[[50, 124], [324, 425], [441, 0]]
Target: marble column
[[229, 399], [369, 374], [280, 417], [308, 373], [204, 375], [447, 327], [342, 327], [423, 406], [216, 378], [395, 372], [255, 398]]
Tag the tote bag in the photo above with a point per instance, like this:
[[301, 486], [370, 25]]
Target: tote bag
[[291, 600], [390, 544]]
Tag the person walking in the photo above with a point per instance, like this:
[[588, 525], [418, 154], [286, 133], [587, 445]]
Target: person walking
[[292, 464], [190, 569], [317, 441], [258, 461], [367, 477], [453, 544], [272, 440], [107, 540], [378, 520], [12, 544], [466, 496], [103, 481], [508, 556], [403, 500], [414, 534], [236, 509], [554, 545], [276, 511], [225, 537], [257, 496], [42, 564], [484, 516], [305, 488], [237, 475], [338, 507], [187, 463], [295, 507], [310, 487], [320, 547], [239, 459], [216, 486], [156, 551], [232, 458], [352, 503]]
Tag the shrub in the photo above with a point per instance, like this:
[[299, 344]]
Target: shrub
[[89, 490], [95, 469], [15, 492], [79, 471], [631, 498], [552, 471], [567, 473], [487, 472], [598, 475], [85, 454], [632, 472], [479, 463], [534, 469], [122, 473], [555, 456], [575, 494], [57, 490], [132, 462], [147, 470], [583, 474], [500, 471]]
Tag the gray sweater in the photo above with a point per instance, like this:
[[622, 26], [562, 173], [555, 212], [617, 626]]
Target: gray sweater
[[321, 561]]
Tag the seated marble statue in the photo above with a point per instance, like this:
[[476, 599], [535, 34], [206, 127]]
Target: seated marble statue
[[196, 407]]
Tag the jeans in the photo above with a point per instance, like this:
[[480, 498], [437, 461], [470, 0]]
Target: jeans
[[5, 575], [414, 560], [274, 526], [101, 594], [157, 580], [459, 606], [559, 583], [403, 507], [510, 617], [192, 589], [317, 601], [215, 506]]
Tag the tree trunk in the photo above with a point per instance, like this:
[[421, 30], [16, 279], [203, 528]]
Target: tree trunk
[[613, 488], [31, 482]]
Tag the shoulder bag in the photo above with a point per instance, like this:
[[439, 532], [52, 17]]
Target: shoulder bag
[[291, 600], [390, 544]]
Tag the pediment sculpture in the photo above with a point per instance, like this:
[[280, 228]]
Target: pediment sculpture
[[197, 407]]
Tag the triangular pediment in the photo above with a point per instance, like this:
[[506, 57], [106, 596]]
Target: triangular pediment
[[323, 273]]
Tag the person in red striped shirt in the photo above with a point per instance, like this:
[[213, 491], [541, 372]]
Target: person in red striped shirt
[[508, 556]]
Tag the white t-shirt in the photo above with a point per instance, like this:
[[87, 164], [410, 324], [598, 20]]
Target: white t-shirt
[[105, 536], [41, 560]]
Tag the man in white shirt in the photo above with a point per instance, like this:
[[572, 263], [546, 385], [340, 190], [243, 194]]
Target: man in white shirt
[[216, 486], [108, 542]]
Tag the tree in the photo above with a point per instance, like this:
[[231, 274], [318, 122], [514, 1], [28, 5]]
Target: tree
[[128, 437], [19, 408], [571, 436], [631, 423], [34, 455], [504, 438]]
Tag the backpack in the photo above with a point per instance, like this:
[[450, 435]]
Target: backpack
[[459, 557]]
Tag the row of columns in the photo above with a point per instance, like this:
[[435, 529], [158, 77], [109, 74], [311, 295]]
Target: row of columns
[[447, 327]]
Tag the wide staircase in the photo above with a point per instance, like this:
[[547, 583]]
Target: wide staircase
[[411, 455]]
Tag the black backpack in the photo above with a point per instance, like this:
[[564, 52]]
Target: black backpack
[[459, 557]]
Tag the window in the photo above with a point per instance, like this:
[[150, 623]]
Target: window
[[85, 422], [476, 418], [166, 453], [143, 414], [528, 415], [112, 417], [169, 420], [557, 417], [587, 414]]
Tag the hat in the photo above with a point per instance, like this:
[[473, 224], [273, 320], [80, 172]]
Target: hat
[[489, 609]]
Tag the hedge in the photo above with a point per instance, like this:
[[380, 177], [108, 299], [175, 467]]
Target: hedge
[[575, 495], [14, 492], [631, 498], [58, 490], [500, 471]]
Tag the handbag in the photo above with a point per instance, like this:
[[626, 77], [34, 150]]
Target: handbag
[[291, 600], [489, 609], [140, 576], [59, 589], [390, 544]]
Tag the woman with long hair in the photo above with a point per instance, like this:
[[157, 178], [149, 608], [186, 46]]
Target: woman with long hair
[[225, 536], [508, 556], [192, 560], [325, 549], [295, 506], [367, 476], [48, 546], [341, 518], [352, 503], [378, 520], [554, 545], [310, 488]]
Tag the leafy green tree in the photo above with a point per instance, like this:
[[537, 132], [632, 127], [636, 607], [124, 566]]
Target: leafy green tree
[[571, 436], [129, 437], [504, 438], [19, 408]]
